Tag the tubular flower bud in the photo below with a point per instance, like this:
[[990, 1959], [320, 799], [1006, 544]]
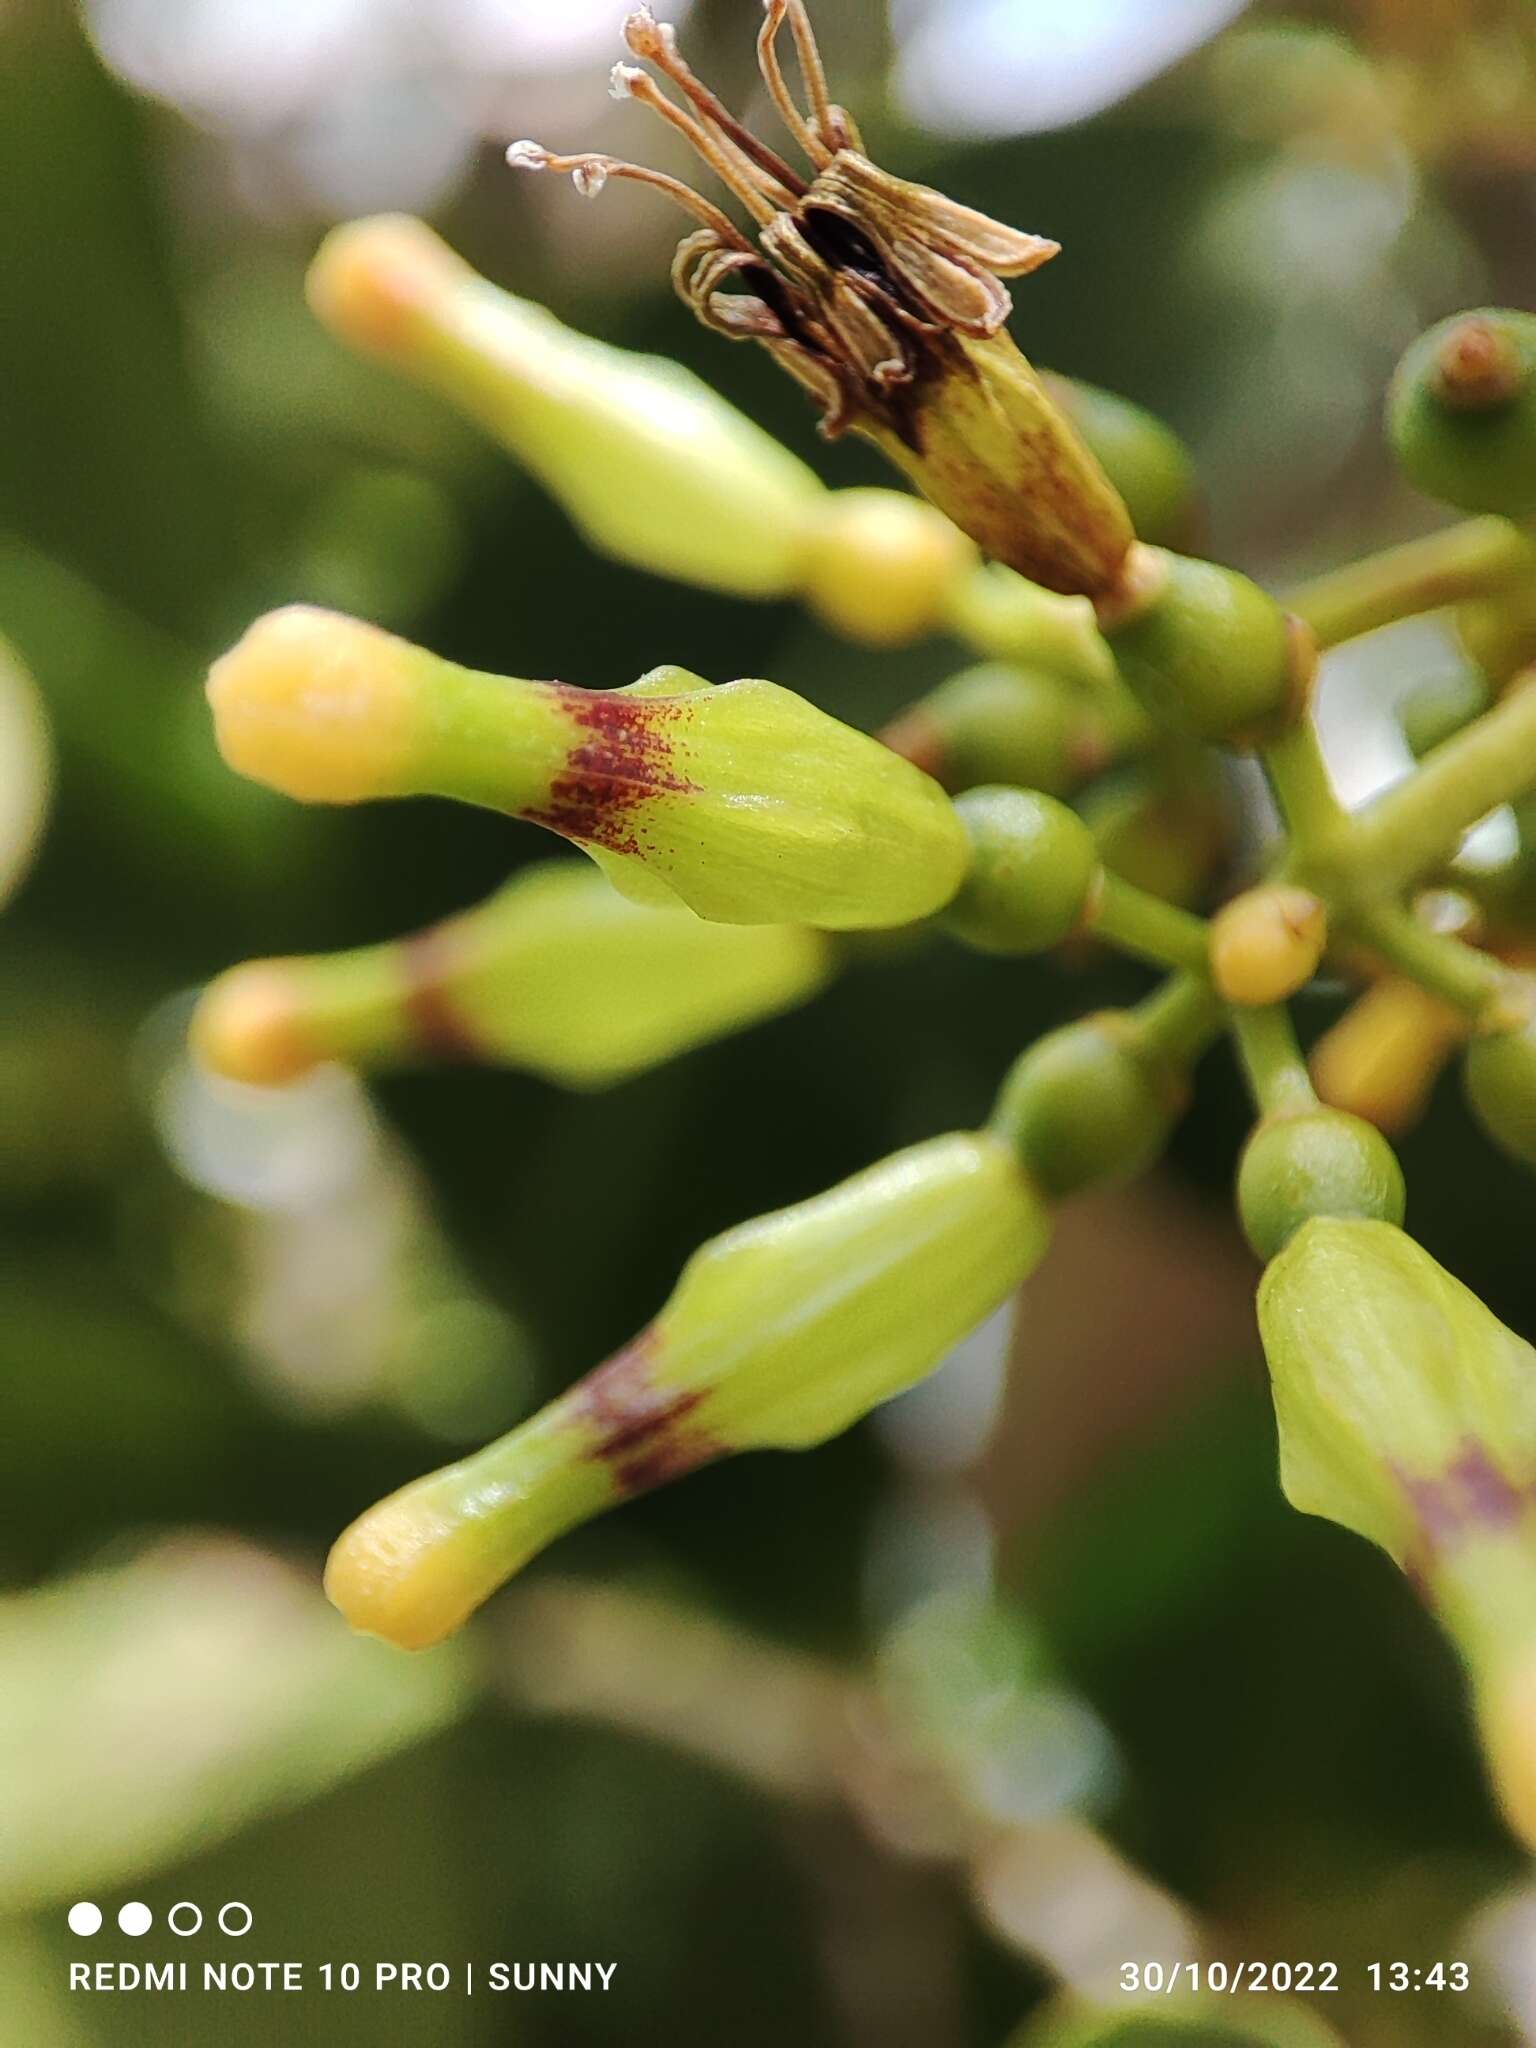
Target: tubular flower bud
[[1205, 650], [555, 974], [745, 802], [1407, 1412], [884, 299], [1033, 869], [1462, 412], [1314, 1162], [882, 567], [1382, 1058], [1267, 943], [648, 461], [778, 1335], [1002, 722]]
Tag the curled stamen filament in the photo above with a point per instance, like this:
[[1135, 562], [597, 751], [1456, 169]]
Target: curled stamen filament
[[822, 137], [736, 172], [590, 171], [656, 43]]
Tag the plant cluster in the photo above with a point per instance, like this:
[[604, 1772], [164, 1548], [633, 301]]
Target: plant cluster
[[1067, 785]]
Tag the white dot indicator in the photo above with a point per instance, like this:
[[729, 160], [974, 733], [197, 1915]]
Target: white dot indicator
[[84, 1918], [135, 1918]]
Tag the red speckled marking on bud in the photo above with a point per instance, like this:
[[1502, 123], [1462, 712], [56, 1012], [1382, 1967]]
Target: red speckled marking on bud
[[441, 1028], [626, 762], [637, 1422], [1470, 1494]]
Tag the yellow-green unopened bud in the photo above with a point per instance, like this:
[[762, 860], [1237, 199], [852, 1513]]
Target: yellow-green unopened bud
[[882, 567], [1382, 1058], [1145, 461], [1314, 1162], [1462, 412], [745, 802], [1500, 1074], [1204, 650], [1266, 943], [1003, 722], [1407, 1412], [1033, 867], [778, 1335], [1085, 1105], [555, 974], [647, 460]]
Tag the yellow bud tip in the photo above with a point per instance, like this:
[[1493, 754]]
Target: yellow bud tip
[[1507, 1713], [250, 1026], [403, 1572], [373, 282], [315, 705], [1266, 944]]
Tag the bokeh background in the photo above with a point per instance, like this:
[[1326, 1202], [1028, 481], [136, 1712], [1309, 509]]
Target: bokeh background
[[717, 1738]]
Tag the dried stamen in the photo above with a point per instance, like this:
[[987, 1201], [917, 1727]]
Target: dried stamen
[[590, 171], [828, 128], [656, 42], [735, 171]]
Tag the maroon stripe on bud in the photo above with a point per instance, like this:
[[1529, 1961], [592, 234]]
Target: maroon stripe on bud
[[642, 1429], [427, 961], [1470, 1496], [627, 760]]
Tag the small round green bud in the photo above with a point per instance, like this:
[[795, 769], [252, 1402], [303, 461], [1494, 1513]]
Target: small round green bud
[[1314, 1162], [1002, 722], [1145, 461], [1033, 865], [1437, 710], [1500, 1079], [1205, 650], [1461, 412], [1083, 1106]]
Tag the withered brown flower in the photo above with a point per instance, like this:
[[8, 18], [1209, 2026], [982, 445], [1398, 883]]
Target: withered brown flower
[[883, 298]]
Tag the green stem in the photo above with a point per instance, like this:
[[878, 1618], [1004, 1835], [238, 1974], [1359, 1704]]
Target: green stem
[[1176, 1023], [1147, 927], [1298, 775], [1460, 975], [1468, 560], [1003, 615], [1276, 1072], [1417, 825]]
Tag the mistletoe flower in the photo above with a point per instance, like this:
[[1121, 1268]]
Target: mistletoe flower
[[883, 298], [1407, 1412], [779, 1334]]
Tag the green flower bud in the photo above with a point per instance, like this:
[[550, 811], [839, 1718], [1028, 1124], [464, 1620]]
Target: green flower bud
[[745, 802], [1500, 1078], [1003, 722], [1407, 1412], [1169, 837], [885, 300], [1033, 868], [1145, 461], [779, 1334], [1298, 1164], [1438, 710], [1204, 650], [1462, 412], [650, 464], [1086, 1105], [555, 974]]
